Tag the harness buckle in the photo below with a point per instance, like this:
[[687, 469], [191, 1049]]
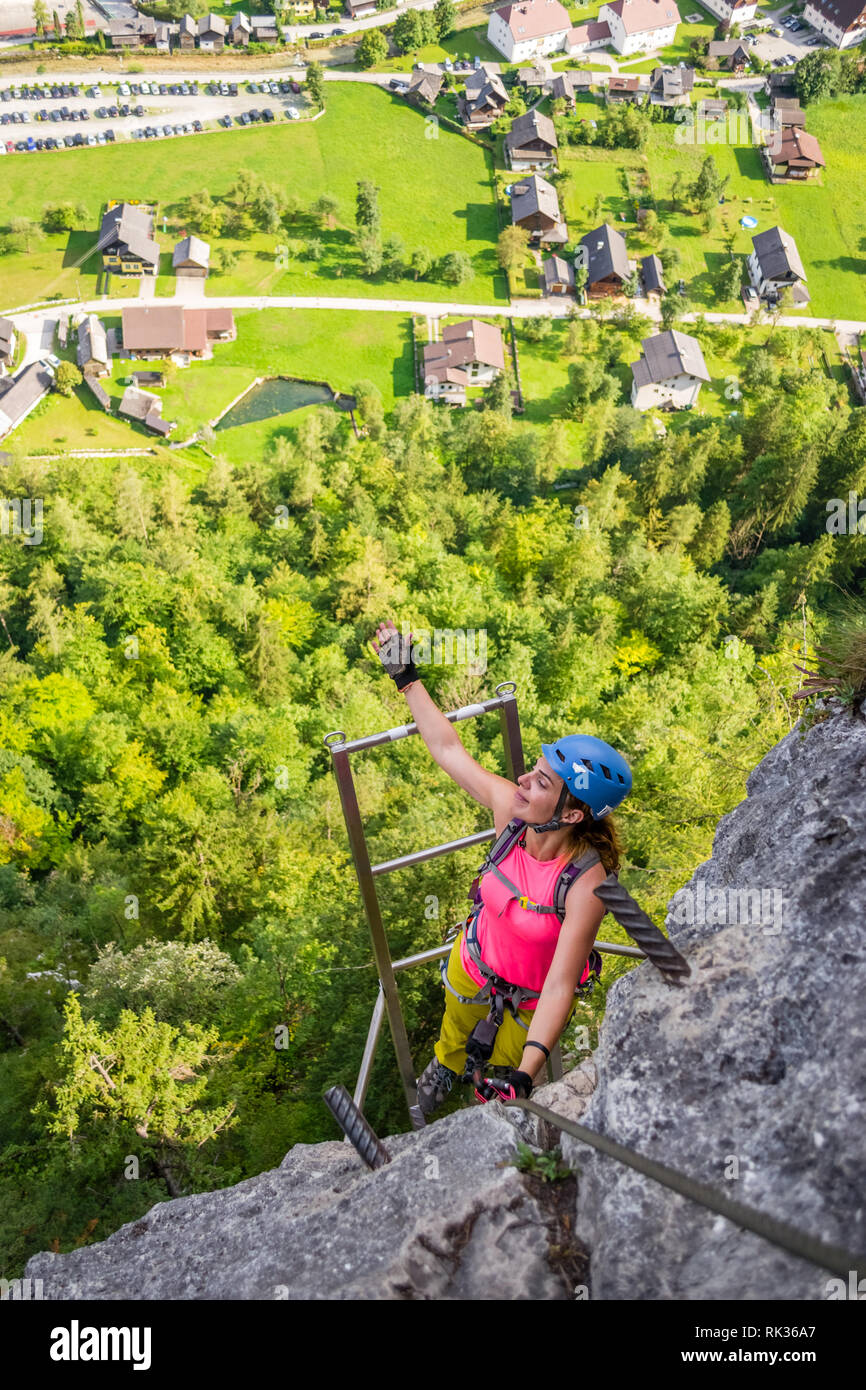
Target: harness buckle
[[523, 901]]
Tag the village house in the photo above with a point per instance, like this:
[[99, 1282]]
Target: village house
[[166, 34], [7, 341], [712, 109], [583, 38], [425, 87], [558, 276], [671, 86], [133, 33], [730, 54], [843, 22], [536, 79], [484, 100], [265, 28], [786, 111], [669, 372], [775, 265], [190, 259], [143, 406], [240, 29], [623, 89], [22, 393], [470, 353], [792, 156], [738, 12], [566, 85], [528, 29], [98, 390], [162, 329], [531, 142], [652, 276], [359, 9], [604, 254], [211, 33], [126, 241], [92, 353], [535, 207], [640, 25], [187, 33]]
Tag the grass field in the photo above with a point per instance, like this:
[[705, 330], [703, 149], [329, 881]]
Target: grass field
[[433, 192], [339, 346]]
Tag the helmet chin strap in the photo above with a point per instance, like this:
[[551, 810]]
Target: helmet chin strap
[[556, 823]]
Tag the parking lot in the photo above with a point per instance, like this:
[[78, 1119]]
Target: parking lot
[[78, 114], [780, 42]]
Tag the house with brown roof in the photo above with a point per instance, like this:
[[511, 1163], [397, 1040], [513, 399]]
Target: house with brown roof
[[92, 353], [731, 12], [842, 22], [531, 142], [792, 155], [730, 54], [638, 26], [603, 252], [623, 89], [583, 38], [535, 207], [7, 341], [529, 29], [158, 330], [558, 276], [786, 111], [483, 101], [669, 372], [536, 79], [470, 353], [424, 87], [190, 259], [98, 390], [359, 9], [775, 265], [126, 240]]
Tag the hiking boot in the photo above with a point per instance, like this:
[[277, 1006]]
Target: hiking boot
[[434, 1083]]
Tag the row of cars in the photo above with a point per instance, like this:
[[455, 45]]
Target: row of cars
[[248, 118], [51, 142], [159, 132], [64, 113]]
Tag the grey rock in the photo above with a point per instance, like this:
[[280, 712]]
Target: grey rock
[[757, 1064], [443, 1220]]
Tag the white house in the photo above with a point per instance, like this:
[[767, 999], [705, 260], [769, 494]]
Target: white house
[[775, 264], [734, 11], [528, 29], [639, 25], [586, 37], [843, 22], [470, 353], [669, 372]]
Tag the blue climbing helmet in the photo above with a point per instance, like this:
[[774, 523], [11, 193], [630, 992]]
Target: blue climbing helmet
[[591, 770]]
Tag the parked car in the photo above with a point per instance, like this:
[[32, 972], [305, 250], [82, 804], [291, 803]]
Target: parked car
[[109, 136], [233, 89], [197, 126], [225, 121], [267, 114]]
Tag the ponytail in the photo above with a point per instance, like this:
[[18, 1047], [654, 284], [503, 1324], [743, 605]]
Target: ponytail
[[600, 835]]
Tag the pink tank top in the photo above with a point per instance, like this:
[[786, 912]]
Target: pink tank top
[[519, 945]]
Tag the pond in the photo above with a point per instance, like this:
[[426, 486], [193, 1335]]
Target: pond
[[277, 396]]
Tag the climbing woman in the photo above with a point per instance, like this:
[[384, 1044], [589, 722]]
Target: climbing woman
[[526, 949]]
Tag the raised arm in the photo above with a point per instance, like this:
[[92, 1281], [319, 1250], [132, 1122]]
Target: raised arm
[[440, 736]]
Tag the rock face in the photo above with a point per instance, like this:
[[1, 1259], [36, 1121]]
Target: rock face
[[750, 1077], [443, 1220]]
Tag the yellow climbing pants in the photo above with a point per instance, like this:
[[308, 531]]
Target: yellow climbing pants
[[460, 1019]]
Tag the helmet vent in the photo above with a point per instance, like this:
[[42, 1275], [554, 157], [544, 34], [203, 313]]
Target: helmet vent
[[606, 771], [620, 778], [587, 764], [560, 755]]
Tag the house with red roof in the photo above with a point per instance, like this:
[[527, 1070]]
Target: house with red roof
[[843, 22], [637, 26], [470, 353], [529, 28]]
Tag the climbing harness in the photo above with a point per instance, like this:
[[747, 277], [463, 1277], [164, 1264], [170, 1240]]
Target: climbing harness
[[498, 993]]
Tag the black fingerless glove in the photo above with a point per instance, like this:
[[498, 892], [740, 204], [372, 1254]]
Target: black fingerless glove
[[396, 657]]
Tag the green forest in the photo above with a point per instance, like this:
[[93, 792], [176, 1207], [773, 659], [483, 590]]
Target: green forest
[[184, 961]]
